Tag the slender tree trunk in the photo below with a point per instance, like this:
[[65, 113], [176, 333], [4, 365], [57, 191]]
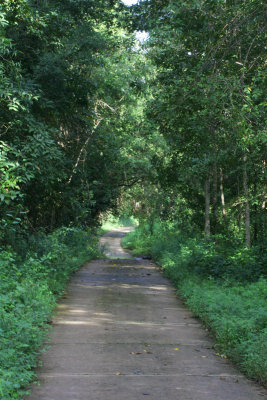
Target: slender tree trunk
[[214, 196], [53, 216], [247, 207], [222, 194], [207, 206], [239, 206], [263, 206], [214, 219], [255, 217]]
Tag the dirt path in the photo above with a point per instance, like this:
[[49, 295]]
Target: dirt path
[[120, 333]]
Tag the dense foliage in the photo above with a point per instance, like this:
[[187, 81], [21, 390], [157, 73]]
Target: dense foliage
[[68, 72], [209, 105], [171, 132]]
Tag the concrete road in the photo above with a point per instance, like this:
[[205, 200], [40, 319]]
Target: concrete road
[[121, 333]]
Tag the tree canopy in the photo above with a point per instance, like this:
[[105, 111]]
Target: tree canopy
[[88, 113]]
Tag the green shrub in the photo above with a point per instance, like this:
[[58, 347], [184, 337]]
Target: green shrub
[[196, 255], [28, 292]]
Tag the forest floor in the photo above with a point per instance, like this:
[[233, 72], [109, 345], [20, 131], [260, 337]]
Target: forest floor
[[120, 332]]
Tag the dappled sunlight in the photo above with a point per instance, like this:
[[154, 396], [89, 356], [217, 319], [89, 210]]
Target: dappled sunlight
[[161, 288], [151, 287], [101, 314], [72, 322], [112, 285], [63, 308], [77, 311], [139, 267], [149, 324], [106, 322], [92, 321], [135, 267]]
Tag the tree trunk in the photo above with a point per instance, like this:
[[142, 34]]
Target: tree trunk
[[207, 206], [53, 217], [247, 207], [214, 197], [255, 217], [263, 206], [222, 194], [239, 206]]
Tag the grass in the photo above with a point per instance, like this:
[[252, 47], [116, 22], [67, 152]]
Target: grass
[[225, 287], [29, 288]]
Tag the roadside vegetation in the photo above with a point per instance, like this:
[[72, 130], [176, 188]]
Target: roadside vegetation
[[226, 287], [29, 288]]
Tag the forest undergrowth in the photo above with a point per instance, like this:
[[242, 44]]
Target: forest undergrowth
[[29, 287], [224, 286]]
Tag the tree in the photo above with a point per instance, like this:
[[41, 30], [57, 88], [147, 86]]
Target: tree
[[208, 104]]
